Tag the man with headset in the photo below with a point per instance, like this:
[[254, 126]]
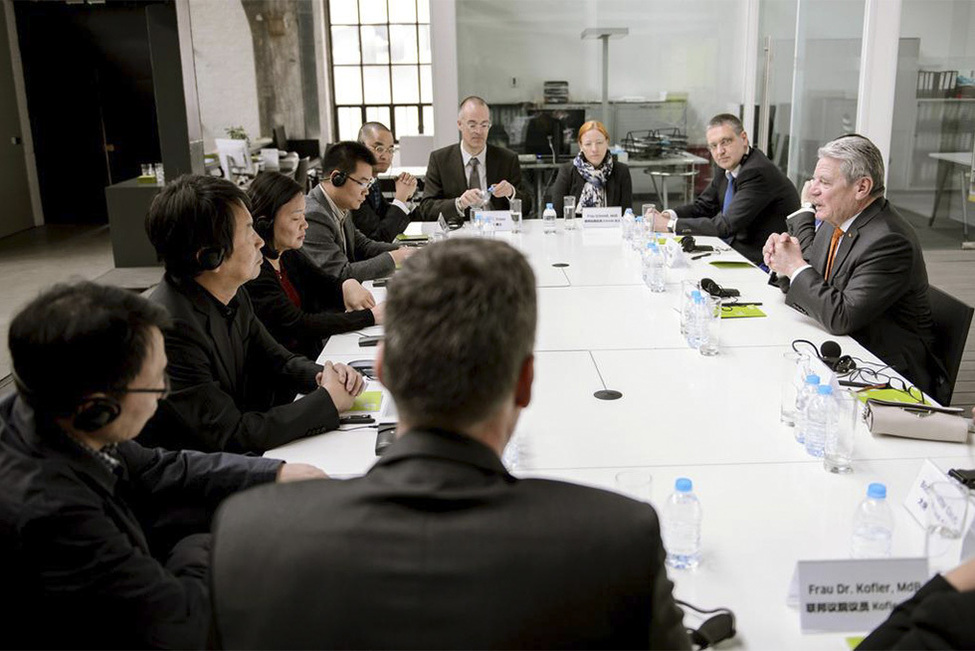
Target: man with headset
[[233, 384], [103, 543], [332, 240]]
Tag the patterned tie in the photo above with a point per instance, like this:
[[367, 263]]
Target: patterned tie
[[834, 244], [475, 178], [375, 197], [729, 193]]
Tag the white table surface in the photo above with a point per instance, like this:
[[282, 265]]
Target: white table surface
[[766, 503]]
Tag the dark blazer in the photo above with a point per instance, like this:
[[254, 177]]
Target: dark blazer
[[619, 186], [763, 197], [381, 224], [322, 312], [96, 559], [232, 384], [936, 617], [446, 180], [439, 547], [361, 258], [877, 291]]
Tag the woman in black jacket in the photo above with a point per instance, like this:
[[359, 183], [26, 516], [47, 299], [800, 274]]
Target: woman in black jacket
[[299, 304], [594, 178]]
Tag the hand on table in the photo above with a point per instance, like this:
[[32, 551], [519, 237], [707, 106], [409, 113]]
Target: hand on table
[[342, 383], [401, 254], [356, 297], [299, 472]]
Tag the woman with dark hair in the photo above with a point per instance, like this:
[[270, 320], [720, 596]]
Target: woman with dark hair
[[297, 302]]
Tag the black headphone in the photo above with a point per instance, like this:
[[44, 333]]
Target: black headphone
[[91, 414], [338, 178], [264, 226], [717, 628], [210, 257], [688, 245], [717, 291], [830, 354]]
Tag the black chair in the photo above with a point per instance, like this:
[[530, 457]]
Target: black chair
[[305, 148], [301, 174], [952, 320]]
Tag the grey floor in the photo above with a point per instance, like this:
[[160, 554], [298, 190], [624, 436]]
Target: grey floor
[[35, 259]]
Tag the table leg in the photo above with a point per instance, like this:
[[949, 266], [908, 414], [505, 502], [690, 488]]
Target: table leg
[[939, 188], [538, 193], [964, 201]]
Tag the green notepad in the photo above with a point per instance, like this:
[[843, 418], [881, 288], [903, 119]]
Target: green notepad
[[892, 395], [740, 311], [403, 237], [854, 641], [731, 264], [368, 401]]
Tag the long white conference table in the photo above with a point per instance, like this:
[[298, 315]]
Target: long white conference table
[[766, 503]]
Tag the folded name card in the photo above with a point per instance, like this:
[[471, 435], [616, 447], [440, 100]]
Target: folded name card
[[500, 220], [601, 217]]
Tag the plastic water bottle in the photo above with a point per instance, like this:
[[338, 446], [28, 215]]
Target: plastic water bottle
[[820, 418], [873, 525], [696, 320], [806, 392], [626, 224], [682, 526], [638, 240], [654, 268], [548, 219]]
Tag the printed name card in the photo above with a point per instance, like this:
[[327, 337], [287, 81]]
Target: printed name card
[[855, 595], [918, 500], [500, 220], [601, 217]]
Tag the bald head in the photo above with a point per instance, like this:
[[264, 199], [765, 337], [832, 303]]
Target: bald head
[[370, 129], [379, 139], [474, 122]]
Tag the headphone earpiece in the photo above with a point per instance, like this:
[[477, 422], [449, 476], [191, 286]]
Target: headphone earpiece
[[687, 243], [338, 178], [210, 258], [95, 413], [264, 226]]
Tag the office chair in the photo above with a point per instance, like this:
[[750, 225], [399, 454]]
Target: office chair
[[952, 320], [308, 147], [301, 174]]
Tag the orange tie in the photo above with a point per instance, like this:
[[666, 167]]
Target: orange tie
[[833, 244]]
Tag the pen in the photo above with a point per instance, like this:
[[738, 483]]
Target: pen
[[698, 257], [741, 304]]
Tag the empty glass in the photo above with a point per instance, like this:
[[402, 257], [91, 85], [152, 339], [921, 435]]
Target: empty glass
[[515, 207], [709, 346], [569, 212], [792, 375], [686, 287], [945, 511], [637, 484], [644, 210], [838, 451]]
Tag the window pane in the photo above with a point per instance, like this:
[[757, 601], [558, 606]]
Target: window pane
[[428, 120], [402, 11], [350, 119], [403, 41], [348, 85], [424, 43], [373, 11], [405, 86], [375, 44], [345, 45], [407, 121], [426, 84], [342, 12], [423, 12], [375, 81], [378, 114]]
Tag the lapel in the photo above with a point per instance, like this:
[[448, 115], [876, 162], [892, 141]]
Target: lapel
[[853, 234], [455, 166]]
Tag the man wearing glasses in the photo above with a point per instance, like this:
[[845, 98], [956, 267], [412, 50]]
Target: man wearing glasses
[[472, 173], [104, 543], [332, 240], [747, 200], [377, 218]]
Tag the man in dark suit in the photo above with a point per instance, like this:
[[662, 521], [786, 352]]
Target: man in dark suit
[[460, 176], [862, 272], [233, 384], [103, 543], [745, 203], [438, 546], [377, 218]]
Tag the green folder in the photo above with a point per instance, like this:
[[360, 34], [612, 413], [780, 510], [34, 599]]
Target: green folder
[[892, 395], [740, 311], [403, 237], [731, 264], [368, 401]]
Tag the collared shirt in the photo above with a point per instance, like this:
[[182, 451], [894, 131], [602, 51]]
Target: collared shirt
[[107, 456], [481, 167], [228, 311], [845, 226]]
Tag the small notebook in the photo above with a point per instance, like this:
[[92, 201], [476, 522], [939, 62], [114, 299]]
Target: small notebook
[[731, 264], [740, 311]]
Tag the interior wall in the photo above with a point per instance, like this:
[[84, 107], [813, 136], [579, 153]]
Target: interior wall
[[14, 189], [946, 29]]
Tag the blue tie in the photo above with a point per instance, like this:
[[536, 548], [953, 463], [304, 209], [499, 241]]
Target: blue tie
[[729, 193]]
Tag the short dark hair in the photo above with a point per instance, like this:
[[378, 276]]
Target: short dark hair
[[460, 322], [193, 213], [372, 126], [99, 333], [344, 156], [267, 193], [727, 118]]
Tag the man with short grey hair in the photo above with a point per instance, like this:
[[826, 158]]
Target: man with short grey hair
[[438, 546], [862, 272]]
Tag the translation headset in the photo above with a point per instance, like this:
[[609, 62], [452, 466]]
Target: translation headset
[[689, 245], [717, 291], [338, 178], [830, 354], [91, 414], [264, 226], [717, 628]]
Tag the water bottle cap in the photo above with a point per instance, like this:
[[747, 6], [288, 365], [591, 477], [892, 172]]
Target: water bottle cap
[[696, 294], [683, 485], [825, 390], [877, 491], [812, 378], [548, 205], [652, 246], [628, 211]]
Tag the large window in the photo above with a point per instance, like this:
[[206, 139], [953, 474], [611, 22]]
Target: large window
[[380, 61]]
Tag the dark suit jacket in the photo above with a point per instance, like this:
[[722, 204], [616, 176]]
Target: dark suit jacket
[[322, 312], [361, 258], [382, 225], [96, 559], [936, 617], [446, 180], [439, 547], [232, 384], [619, 186], [877, 291], [763, 197]]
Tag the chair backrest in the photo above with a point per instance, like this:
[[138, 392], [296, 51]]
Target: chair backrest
[[414, 151], [280, 137], [952, 320], [301, 173]]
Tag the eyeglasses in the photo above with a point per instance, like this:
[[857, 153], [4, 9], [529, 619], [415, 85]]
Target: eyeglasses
[[478, 126], [724, 142], [365, 184], [382, 151], [163, 392]]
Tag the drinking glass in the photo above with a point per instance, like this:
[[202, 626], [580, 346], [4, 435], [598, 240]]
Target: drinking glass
[[515, 206], [791, 377], [648, 208], [686, 287], [946, 506], [637, 484], [569, 212], [838, 451], [709, 347]]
